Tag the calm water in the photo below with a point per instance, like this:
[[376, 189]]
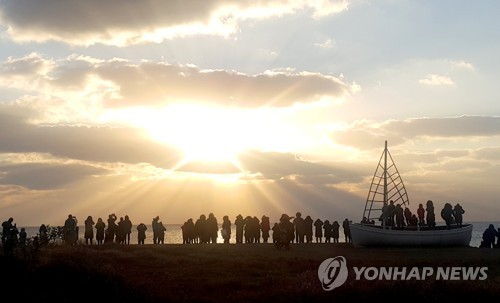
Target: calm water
[[173, 234]]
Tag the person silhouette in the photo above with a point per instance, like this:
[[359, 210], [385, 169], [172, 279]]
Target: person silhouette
[[89, 230], [226, 229], [69, 229], [141, 233], [6, 226], [265, 226], [318, 231], [127, 228], [100, 226], [489, 236], [458, 212], [447, 214], [431, 217], [240, 224]]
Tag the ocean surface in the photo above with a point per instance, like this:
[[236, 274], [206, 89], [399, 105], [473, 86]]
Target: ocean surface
[[173, 235]]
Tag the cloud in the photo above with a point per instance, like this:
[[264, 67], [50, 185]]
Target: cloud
[[98, 144], [369, 135], [124, 22], [45, 176], [436, 80], [462, 65], [328, 43], [120, 83]]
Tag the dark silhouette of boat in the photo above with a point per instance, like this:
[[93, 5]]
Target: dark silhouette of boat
[[388, 185]]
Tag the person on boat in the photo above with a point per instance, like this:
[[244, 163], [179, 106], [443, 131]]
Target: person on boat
[[431, 217], [458, 212], [421, 214], [447, 214], [407, 214], [399, 213], [391, 213], [489, 236], [413, 221]]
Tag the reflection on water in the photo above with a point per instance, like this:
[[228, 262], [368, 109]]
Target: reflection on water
[[173, 235]]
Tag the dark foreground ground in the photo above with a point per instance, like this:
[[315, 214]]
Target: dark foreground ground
[[237, 273]]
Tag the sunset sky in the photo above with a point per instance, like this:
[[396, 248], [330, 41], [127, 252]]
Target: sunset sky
[[185, 107]]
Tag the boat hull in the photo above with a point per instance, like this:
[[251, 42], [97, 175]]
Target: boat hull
[[370, 235]]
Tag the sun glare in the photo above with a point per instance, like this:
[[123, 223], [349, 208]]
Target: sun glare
[[214, 134]]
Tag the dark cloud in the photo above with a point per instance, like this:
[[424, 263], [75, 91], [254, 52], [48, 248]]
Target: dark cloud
[[102, 144], [45, 176], [365, 135], [128, 21]]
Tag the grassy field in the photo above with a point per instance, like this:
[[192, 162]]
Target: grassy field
[[236, 273]]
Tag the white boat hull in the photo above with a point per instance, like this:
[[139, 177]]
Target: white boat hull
[[369, 235]]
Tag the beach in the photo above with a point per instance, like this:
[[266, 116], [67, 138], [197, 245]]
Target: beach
[[244, 273]]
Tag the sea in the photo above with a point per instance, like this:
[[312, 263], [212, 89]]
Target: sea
[[173, 234]]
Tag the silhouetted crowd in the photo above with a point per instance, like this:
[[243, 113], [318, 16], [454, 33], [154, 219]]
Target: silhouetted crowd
[[397, 217], [289, 229], [204, 230]]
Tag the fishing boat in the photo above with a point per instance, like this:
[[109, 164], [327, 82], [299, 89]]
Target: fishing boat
[[387, 186]]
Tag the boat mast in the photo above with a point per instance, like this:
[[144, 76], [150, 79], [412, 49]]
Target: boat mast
[[384, 208], [387, 185]]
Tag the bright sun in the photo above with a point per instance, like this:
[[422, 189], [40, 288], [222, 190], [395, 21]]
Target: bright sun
[[214, 134], [203, 133]]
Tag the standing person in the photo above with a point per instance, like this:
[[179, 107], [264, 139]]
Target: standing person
[[69, 230], [489, 237], [89, 230], [141, 233], [335, 231], [44, 237], [458, 212], [6, 226], [226, 229], [407, 214], [431, 217], [347, 230], [447, 214], [298, 222], [391, 213], [99, 227], [23, 236], [328, 231], [127, 228], [308, 229], [112, 229], [213, 228], [318, 224], [400, 218], [265, 226], [161, 233], [240, 223], [155, 226], [421, 214]]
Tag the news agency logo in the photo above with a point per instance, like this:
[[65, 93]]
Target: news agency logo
[[333, 273]]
